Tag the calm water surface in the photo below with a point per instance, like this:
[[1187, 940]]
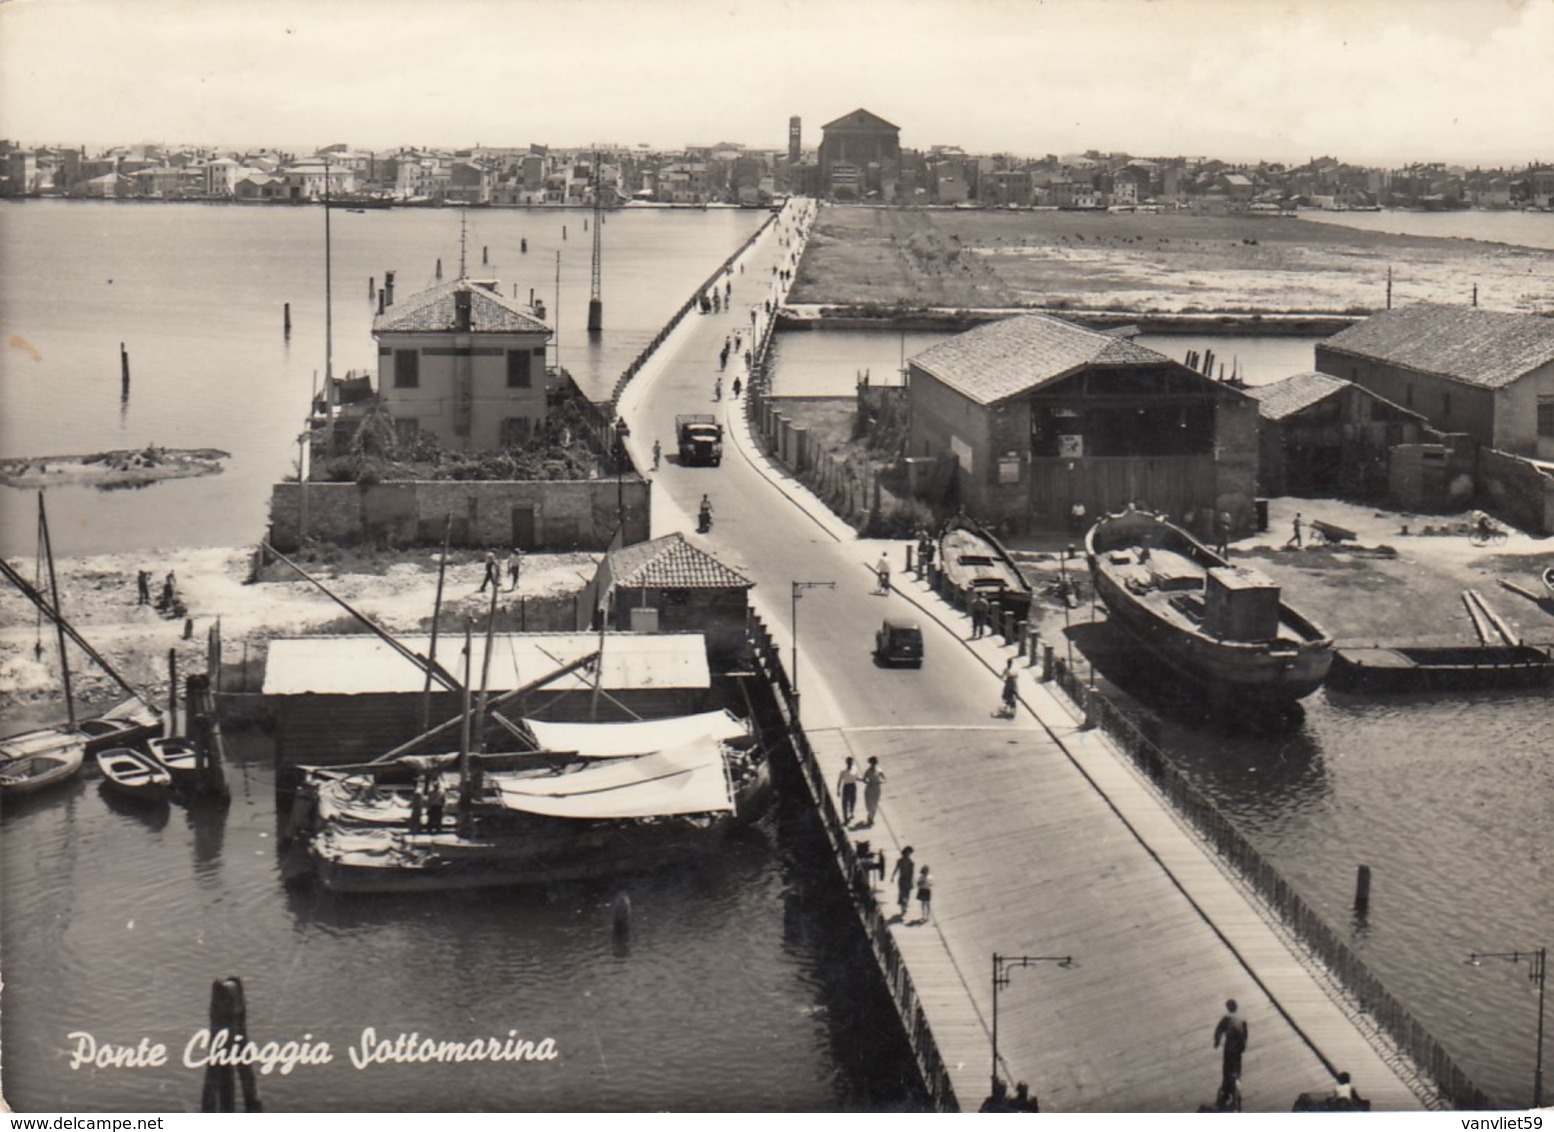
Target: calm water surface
[[196, 292], [740, 986]]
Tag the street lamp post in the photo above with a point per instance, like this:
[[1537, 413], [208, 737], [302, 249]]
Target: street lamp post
[[793, 681], [1538, 971], [1002, 964]]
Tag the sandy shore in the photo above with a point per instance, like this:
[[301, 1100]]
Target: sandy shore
[[1151, 263], [100, 601]]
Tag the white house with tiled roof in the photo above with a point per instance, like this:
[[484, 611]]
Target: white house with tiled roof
[[1040, 414], [1487, 373], [465, 363]]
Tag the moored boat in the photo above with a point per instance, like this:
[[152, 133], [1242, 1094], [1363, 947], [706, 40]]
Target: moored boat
[[1225, 628], [123, 725], [42, 767], [1388, 669], [134, 776], [178, 757]]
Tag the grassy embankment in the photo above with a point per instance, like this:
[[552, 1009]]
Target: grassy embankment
[[1163, 263]]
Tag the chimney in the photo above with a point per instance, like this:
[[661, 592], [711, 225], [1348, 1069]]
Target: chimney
[[539, 309], [461, 311], [380, 300], [388, 286]]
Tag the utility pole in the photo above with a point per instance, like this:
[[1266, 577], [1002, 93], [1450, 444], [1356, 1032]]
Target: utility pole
[[595, 297]]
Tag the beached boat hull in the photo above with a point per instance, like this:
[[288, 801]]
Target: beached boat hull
[[1270, 672], [40, 769], [973, 561], [1401, 669]]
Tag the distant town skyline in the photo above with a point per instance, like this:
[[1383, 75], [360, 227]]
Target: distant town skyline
[[1371, 82]]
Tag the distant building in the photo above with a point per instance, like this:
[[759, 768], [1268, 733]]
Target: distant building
[[465, 363], [795, 140], [1041, 414], [849, 145], [1489, 374]]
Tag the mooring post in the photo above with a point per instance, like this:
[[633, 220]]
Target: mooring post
[[172, 691], [909, 557], [1362, 890], [124, 376], [229, 1012], [622, 915], [286, 319], [371, 287], [1047, 659]]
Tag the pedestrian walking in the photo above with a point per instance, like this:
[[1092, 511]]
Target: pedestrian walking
[[1076, 518], [658, 454], [1011, 690], [924, 896], [1222, 533], [873, 787], [981, 611], [906, 871], [493, 577], [847, 788], [143, 583], [1232, 1033], [514, 568], [737, 388], [1295, 528]]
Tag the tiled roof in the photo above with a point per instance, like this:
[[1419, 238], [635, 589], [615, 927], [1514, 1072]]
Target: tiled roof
[[672, 563], [491, 312], [1016, 355], [1472, 345], [1289, 396]]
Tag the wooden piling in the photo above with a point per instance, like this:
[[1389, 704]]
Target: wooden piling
[[286, 319], [124, 374], [371, 287], [622, 915], [229, 1012], [485, 254], [172, 691], [1362, 890], [439, 269]]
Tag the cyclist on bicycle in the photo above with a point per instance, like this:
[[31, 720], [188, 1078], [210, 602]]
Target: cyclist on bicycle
[[1482, 527]]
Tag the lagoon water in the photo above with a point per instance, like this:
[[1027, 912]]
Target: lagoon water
[[738, 990], [196, 292]]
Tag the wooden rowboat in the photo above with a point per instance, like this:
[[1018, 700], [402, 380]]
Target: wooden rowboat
[[42, 768], [178, 757], [133, 775]]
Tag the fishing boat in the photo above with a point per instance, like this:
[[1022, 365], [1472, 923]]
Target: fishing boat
[[127, 724], [134, 776], [1223, 627], [1389, 669], [615, 817], [42, 768], [974, 561]]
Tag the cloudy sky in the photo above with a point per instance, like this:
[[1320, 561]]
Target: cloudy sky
[[1372, 81]]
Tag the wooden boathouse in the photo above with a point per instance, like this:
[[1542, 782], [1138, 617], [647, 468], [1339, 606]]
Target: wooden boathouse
[[349, 699]]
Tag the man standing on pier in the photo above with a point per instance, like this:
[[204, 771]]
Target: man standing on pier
[[847, 787]]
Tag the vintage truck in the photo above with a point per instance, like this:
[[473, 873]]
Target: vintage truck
[[701, 438]]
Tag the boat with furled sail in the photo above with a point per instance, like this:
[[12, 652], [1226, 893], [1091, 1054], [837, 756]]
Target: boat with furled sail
[[1224, 627], [614, 816]]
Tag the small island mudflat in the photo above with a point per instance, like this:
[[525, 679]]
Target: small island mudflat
[[120, 468]]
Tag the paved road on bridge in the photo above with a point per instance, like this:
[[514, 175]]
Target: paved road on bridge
[[1040, 839]]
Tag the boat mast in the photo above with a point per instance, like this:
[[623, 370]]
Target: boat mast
[[47, 546], [464, 722]]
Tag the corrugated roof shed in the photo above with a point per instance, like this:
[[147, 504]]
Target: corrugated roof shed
[[1016, 355], [1292, 394], [672, 563], [1472, 345], [351, 665], [434, 310]]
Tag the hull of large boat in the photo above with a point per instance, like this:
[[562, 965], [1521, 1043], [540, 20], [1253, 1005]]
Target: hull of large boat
[[1277, 671], [514, 858]]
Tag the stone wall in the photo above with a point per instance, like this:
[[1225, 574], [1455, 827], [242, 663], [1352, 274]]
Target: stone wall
[[528, 514]]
